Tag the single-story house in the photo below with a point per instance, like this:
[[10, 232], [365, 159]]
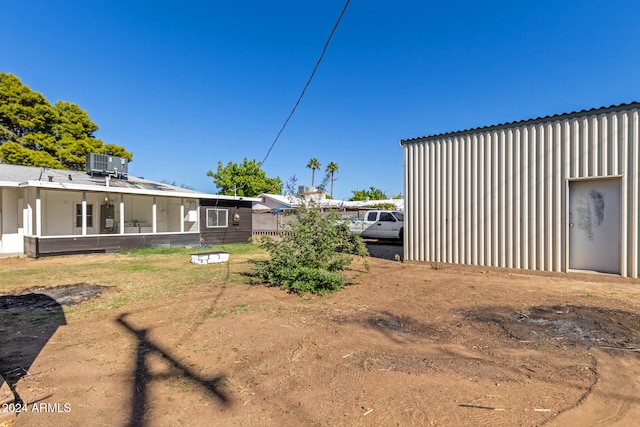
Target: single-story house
[[557, 193], [50, 212]]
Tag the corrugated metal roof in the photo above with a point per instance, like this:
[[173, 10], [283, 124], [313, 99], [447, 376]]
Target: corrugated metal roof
[[563, 116]]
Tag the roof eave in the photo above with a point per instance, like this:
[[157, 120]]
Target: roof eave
[[124, 190], [550, 118]]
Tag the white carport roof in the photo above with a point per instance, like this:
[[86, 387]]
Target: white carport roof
[[273, 201]]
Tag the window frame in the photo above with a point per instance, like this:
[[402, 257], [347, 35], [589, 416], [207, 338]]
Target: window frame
[[78, 215], [216, 210]]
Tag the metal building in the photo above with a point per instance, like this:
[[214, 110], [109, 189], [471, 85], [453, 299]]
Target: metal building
[[557, 193]]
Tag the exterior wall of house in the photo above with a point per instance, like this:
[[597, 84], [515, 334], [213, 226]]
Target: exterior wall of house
[[58, 209], [10, 222], [59, 213], [37, 247], [499, 196], [138, 213], [58, 222], [234, 231], [29, 211], [168, 214]]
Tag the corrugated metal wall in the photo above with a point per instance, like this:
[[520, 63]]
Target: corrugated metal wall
[[498, 196]]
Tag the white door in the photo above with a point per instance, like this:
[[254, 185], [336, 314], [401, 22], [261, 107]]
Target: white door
[[594, 225]]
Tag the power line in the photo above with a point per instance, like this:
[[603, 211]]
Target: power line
[[326, 45]]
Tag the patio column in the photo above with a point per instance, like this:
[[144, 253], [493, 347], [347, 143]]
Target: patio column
[[84, 213], [121, 213], [154, 209], [38, 214], [182, 215], [27, 217]]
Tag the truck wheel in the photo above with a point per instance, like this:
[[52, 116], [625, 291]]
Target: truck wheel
[[401, 236]]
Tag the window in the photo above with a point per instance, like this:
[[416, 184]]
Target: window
[[387, 217], [217, 217], [79, 215]]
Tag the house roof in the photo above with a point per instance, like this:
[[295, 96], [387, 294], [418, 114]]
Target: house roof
[[550, 118], [290, 202], [29, 176], [372, 204]]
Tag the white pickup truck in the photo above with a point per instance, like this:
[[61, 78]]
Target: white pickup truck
[[377, 225]]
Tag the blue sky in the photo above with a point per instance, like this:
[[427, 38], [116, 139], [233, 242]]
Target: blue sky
[[186, 84]]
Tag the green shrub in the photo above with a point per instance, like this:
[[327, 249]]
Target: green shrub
[[309, 258]]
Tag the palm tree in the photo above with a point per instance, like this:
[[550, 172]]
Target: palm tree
[[313, 165], [332, 168]]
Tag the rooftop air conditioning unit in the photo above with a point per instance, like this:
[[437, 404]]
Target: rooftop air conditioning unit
[[106, 164], [302, 189]]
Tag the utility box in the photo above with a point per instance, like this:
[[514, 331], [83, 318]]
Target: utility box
[[107, 219]]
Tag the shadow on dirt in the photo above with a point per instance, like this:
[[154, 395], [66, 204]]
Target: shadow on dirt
[[27, 322], [145, 349], [391, 249], [397, 328], [575, 325]]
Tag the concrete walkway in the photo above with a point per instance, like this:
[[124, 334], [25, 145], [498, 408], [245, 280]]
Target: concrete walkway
[[12, 255]]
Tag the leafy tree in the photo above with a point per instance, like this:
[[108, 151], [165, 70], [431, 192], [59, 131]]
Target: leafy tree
[[372, 193], [35, 133], [310, 255], [313, 165], [245, 179], [332, 168], [385, 206]]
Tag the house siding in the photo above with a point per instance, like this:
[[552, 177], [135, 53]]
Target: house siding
[[37, 247], [233, 233], [498, 196]]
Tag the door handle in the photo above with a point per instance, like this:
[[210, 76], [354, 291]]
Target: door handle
[[571, 225]]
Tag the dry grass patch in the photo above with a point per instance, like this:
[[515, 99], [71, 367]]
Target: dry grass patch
[[129, 276]]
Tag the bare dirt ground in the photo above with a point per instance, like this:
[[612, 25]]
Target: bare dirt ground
[[409, 344]]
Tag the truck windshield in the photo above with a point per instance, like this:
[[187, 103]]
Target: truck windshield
[[399, 215]]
